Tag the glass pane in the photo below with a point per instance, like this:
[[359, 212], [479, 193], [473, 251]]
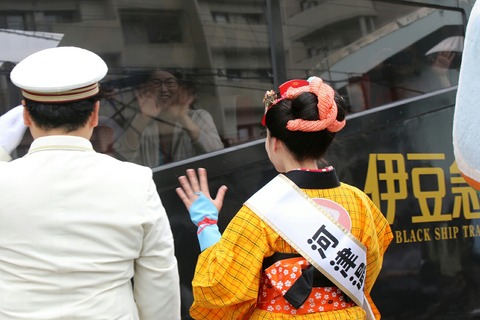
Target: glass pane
[[219, 52], [373, 52], [185, 77]]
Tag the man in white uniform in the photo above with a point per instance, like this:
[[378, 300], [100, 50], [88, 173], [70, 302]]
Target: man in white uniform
[[75, 225]]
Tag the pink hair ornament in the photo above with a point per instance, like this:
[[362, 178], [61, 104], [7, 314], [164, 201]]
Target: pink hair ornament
[[327, 108]]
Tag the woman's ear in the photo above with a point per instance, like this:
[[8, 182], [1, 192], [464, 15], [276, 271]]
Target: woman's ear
[[273, 142], [278, 145]]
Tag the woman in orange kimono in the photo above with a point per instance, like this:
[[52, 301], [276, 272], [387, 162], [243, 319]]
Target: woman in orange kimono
[[251, 271]]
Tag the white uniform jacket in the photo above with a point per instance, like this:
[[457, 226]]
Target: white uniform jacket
[[75, 227], [4, 156]]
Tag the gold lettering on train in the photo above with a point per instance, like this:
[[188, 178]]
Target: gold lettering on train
[[437, 233], [413, 235], [393, 178], [471, 231], [446, 233]]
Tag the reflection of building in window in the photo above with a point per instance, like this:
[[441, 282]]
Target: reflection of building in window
[[36, 20], [220, 17], [51, 17], [12, 21], [151, 26], [307, 4], [240, 18], [235, 38]]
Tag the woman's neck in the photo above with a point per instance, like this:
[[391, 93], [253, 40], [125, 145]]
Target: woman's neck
[[295, 165]]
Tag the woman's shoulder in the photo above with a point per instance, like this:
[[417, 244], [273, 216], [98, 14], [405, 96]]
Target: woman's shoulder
[[199, 113], [354, 190]]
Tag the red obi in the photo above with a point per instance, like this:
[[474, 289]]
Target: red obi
[[281, 276]]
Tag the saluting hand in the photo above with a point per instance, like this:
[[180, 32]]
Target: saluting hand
[[12, 129]]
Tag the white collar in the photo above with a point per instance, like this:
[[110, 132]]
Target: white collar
[[60, 142]]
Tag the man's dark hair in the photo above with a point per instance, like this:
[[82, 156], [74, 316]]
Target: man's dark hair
[[69, 116]]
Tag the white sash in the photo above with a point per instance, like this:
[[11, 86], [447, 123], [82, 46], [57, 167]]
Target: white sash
[[327, 245]]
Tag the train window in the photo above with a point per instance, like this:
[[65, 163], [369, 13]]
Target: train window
[[376, 52], [188, 78]]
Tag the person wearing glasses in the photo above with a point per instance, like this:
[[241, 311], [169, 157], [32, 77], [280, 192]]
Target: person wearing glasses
[[166, 127]]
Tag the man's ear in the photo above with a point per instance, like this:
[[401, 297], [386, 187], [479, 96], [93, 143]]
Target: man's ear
[[26, 116], [94, 116]]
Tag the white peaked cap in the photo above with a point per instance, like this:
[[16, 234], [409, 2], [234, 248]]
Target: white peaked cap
[[61, 74]]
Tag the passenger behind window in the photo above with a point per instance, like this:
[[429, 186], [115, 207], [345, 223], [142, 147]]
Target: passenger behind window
[[409, 73], [167, 127], [105, 134], [412, 74]]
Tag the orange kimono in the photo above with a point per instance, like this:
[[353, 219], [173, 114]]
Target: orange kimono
[[229, 274]]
